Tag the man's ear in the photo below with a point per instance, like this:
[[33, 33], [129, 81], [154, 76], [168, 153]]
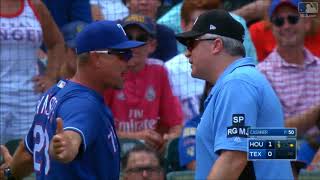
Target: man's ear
[[217, 46]]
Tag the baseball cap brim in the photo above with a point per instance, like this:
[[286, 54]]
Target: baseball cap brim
[[185, 36], [127, 45]]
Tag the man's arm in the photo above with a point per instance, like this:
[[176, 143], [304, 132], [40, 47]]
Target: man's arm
[[304, 121], [21, 164], [64, 146], [254, 10], [229, 165], [54, 42]]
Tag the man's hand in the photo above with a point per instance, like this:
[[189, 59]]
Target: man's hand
[[64, 145], [152, 138], [173, 133], [7, 160], [43, 83]]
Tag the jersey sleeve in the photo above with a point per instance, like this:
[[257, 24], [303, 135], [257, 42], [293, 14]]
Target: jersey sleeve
[[170, 108], [28, 140], [237, 106], [82, 116]]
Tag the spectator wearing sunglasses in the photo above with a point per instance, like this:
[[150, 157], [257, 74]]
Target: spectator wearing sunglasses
[[291, 68], [166, 43], [140, 163], [264, 40], [146, 108]]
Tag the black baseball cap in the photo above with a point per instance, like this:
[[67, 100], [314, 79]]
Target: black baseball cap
[[216, 21]]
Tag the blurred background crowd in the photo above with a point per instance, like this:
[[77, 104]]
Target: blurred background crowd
[[157, 112]]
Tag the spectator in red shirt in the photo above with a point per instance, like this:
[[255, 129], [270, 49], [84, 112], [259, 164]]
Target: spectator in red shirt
[[264, 41], [146, 107]]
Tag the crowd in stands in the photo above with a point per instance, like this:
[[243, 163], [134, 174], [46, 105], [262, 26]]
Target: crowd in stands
[[160, 100]]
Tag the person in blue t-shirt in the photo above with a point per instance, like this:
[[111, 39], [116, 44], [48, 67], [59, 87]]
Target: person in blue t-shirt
[[73, 134], [187, 139], [241, 98], [66, 11]]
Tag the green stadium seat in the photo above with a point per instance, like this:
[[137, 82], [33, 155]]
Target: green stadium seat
[[309, 175], [180, 175], [30, 177], [171, 156], [13, 145]]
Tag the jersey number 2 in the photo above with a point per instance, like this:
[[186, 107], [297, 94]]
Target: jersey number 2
[[41, 146]]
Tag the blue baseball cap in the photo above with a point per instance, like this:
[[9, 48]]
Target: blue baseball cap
[[144, 22], [101, 35], [70, 32], [277, 3]]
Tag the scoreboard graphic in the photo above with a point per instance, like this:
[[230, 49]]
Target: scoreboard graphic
[[268, 144]]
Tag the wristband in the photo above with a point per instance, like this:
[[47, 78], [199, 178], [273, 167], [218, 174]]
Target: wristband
[[8, 174]]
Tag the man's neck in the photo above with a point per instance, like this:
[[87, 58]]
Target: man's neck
[[225, 61], [87, 80], [292, 55]]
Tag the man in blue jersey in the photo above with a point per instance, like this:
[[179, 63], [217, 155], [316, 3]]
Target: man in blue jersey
[[73, 135], [241, 98]]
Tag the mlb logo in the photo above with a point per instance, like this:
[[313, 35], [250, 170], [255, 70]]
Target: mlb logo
[[308, 9]]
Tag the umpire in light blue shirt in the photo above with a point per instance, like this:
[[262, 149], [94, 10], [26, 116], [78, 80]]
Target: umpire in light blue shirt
[[242, 98]]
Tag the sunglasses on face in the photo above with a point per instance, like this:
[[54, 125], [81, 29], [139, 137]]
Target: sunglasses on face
[[279, 21], [191, 44], [140, 37], [141, 169], [125, 55]]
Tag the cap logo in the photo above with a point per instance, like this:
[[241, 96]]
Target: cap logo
[[212, 27], [79, 28], [135, 18], [119, 26]]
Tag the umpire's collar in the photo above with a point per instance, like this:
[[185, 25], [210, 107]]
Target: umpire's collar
[[246, 61]]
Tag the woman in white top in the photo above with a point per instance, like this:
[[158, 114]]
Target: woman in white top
[[21, 35]]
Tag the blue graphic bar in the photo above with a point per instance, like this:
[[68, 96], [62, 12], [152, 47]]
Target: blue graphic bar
[[288, 132]]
